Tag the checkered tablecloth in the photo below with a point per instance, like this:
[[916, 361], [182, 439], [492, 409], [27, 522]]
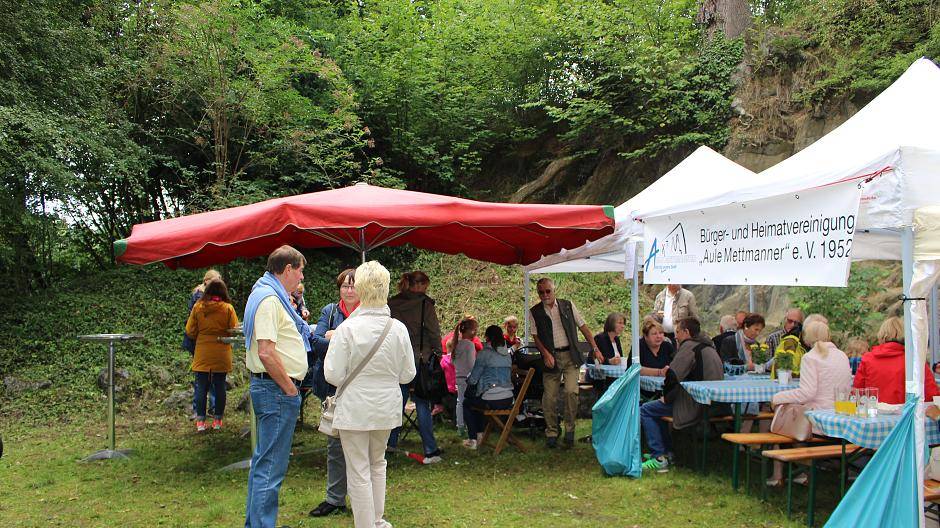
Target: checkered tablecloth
[[606, 371], [866, 432], [652, 383], [744, 389]]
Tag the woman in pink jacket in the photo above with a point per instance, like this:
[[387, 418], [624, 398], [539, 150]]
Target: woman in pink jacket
[[822, 370]]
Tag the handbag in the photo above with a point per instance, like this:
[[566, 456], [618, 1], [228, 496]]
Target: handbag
[[790, 420], [328, 407]]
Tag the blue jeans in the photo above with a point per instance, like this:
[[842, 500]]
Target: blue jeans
[[475, 420], [276, 414], [211, 398], [657, 431], [203, 381], [425, 422]]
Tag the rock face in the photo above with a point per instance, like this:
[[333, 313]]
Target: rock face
[[13, 385], [121, 383], [182, 399]]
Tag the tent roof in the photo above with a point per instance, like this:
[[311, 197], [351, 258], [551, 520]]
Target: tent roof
[[699, 173], [895, 135]]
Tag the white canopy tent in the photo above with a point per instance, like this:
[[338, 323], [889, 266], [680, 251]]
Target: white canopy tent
[[892, 148], [701, 172]]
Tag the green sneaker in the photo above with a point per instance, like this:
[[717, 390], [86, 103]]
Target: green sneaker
[[659, 464], [647, 456]]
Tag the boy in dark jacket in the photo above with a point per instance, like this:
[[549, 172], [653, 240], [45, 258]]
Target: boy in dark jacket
[[696, 360]]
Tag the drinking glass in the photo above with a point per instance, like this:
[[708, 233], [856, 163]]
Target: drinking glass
[[851, 406], [840, 398], [872, 393]]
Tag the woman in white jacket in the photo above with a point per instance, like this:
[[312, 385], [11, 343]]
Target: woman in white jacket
[[370, 406]]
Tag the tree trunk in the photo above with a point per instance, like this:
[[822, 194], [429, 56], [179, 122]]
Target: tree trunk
[[730, 17]]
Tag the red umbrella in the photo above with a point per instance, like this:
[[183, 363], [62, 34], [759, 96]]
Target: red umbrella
[[363, 217]]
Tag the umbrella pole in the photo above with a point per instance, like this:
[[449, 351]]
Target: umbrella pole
[[362, 244], [525, 307], [634, 302]]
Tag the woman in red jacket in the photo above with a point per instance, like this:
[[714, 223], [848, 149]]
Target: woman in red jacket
[[883, 367]]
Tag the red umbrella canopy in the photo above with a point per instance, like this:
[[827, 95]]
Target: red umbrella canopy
[[363, 217]]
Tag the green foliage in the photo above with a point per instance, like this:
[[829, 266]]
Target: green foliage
[[645, 84], [863, 46], [784, 360], [848, 313]]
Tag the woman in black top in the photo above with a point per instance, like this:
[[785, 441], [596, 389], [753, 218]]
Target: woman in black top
[[608, 341], [655, 350]]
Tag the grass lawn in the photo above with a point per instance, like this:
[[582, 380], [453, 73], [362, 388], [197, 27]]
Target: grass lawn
[[174, 480]]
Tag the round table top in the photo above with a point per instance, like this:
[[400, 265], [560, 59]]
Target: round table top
[[110, 337]]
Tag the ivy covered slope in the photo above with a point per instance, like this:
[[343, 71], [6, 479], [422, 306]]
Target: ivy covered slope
[[38, 332]]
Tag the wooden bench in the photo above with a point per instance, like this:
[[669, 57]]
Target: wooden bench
[[810, 455], [931, 491], [749, 440]]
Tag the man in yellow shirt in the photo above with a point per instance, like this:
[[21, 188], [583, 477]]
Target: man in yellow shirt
[[278, 342]]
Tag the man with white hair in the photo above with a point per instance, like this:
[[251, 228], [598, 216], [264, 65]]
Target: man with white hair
[[726, 327], [278, 341], [555, 324]]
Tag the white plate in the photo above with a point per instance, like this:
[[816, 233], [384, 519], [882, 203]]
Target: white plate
[[889, 408]]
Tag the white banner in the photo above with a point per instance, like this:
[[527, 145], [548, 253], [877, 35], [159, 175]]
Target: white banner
[[800, 239]]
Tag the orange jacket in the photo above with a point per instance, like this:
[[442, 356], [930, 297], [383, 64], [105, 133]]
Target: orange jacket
[[207, 322]]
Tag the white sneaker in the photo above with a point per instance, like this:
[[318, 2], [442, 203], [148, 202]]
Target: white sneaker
[[433, 459], [470, 444], [382, 523], [801, 479]]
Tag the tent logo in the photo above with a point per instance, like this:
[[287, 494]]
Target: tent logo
[[673, 246]]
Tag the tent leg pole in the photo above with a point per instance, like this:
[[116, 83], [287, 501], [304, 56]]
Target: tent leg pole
[[635, 310], [914, 384], [750, 299], [934, 325], [907, 270]]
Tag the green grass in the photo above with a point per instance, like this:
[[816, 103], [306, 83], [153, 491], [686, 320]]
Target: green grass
[[174, 480]]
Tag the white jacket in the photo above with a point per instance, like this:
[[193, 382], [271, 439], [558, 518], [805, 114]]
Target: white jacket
[[372, 401]]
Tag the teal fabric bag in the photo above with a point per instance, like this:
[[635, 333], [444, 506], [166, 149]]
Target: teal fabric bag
[[885, 494], [615, 426]]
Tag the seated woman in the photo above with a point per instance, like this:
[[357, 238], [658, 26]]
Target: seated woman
[[489, 385], [608, 342], [824, 368], [883, 367], [736, 348], [656, 352]]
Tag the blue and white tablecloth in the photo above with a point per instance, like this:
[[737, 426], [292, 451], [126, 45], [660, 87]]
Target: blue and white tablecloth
[[743, 389], [866, 432], [606, 371], [652, 383]]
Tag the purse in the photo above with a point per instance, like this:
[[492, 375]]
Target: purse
[[790, 420], [328, 407]]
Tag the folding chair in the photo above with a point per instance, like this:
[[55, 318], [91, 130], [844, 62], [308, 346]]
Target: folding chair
[[493, 416], [409, 420]]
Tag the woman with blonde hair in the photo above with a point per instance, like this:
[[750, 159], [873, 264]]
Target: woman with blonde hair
[[883, 367], [822, 369], [369, 406]]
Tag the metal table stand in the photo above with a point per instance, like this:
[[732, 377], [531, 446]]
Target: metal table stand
[[236, 340], [111, 452]]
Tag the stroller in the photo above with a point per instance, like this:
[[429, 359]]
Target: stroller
[[530, 415]]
